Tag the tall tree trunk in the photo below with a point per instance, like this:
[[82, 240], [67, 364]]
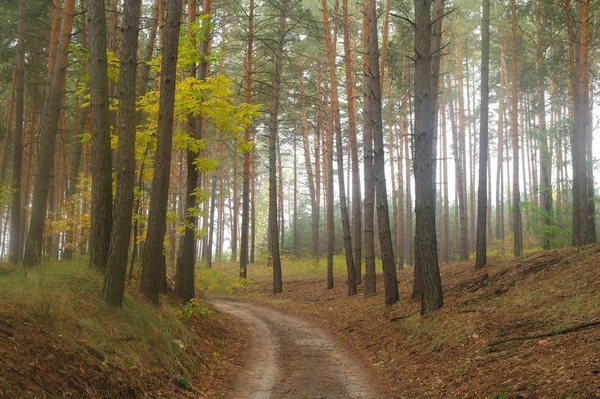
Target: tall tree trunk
[[335, 110], [15, 216], [446, 243], [329, 226], [48, 134], [400, 154], [247, 133], [391, 141], [309, 172], [280, 186], [369, 169], [318, 168], [101, 221], [500, 164], [186, 258], [272, 128], [352, 143], [482, 203], [373, 121], [410, 249], [459, 155], [583, 230], [426, 260], [114, 280], [518, 229], [545, 154], [152, 274]]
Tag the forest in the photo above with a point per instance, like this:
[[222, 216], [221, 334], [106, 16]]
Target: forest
[[168, 147]]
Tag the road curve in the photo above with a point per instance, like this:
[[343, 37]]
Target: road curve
[[290, 359]]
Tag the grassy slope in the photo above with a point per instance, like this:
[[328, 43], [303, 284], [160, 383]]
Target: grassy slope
[[58, 339], [453, 353]]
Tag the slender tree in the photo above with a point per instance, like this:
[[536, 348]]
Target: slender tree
[[481, 249], [114, 280], [356, 195], [273, 126], [369, 176], [518, 229], [247, 136], [153, 249], [45, 166], [425, 233], [373, 121], [335, 110], [101, 222], [15, 220]]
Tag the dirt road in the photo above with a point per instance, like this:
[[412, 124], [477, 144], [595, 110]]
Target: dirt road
[[290, 359]]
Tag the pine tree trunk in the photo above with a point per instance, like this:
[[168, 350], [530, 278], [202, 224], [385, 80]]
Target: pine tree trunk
[[48, 134], [518, 229], [369, 170], [309, 172], [482, 193], [152, 274], [15, 216], [426, 260], [273, 138], [114, 280], [459, 155], [335, 110], [101, 219], [373, 121], [246, 176], [500, 164], [352, 143]]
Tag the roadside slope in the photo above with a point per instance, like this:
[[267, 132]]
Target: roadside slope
[[58, 339], [504, 331]]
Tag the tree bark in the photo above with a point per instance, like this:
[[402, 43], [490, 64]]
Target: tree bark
[[335, 110], [101, 220], [518, 229], [352, 143], [153, 249], [309, 172], [481, 250], [247, 137], [373, 121], [272, 129], [114, 280], [459, 156], [15, 216], [425, 235], [48, 134], [369, 172]]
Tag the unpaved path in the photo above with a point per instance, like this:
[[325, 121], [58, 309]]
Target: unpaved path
[[290, 359]]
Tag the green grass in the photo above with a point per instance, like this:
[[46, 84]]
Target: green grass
[[64, 298], [223, 278]]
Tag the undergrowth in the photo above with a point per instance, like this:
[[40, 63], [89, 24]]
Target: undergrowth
[[63, 299], [223, 278]]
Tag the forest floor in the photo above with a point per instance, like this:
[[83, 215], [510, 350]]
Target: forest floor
[[524, 328], [59, 340]]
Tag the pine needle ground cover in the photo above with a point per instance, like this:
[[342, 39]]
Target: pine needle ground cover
[[59, 339], [524, 328]]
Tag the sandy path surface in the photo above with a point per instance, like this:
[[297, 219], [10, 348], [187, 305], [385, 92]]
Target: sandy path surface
[[288, 358]]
